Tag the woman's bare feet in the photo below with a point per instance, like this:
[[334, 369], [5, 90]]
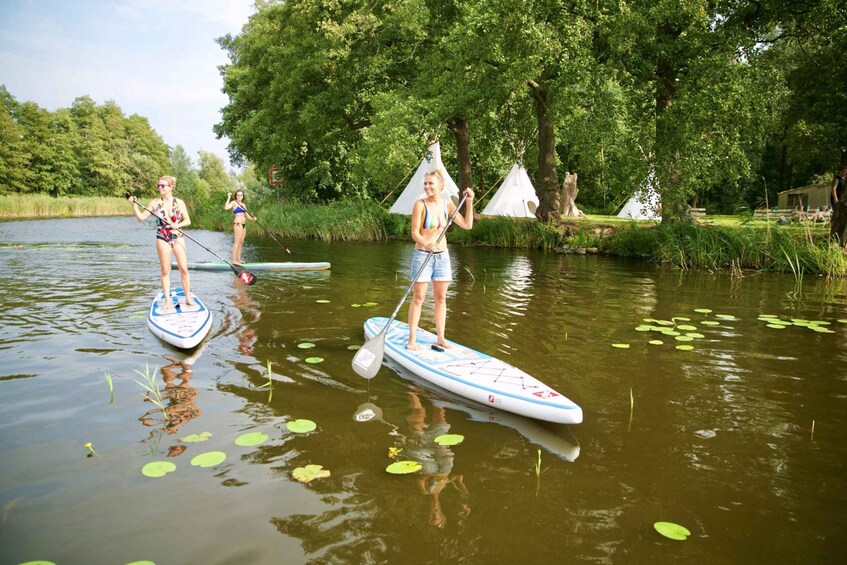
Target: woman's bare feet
[[412, 346]]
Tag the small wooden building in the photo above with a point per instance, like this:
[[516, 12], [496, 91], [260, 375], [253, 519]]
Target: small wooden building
[[806, 198]]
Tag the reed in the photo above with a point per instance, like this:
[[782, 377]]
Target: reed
[[19, 206], [154, 393]]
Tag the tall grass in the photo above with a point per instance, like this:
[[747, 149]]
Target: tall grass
[[43, 206], [721, 246]]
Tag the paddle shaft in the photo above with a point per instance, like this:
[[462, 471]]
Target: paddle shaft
[[237, 272], [266, 229], [423, 266]]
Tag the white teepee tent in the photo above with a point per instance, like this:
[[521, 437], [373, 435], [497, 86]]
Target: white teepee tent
[[514, 196], [644, 204], [414, 190]]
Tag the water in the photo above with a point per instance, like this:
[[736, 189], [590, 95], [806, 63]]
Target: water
[[740, 440]]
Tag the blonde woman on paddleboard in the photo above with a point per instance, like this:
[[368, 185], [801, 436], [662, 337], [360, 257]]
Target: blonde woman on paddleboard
[[172, 216], [239, 222], [430, 216]]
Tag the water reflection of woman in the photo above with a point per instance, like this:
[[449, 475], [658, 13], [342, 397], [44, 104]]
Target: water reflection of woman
[[180, 398], [436, 460], [249, 313]]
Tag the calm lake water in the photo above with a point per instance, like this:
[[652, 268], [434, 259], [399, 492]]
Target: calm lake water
[[740, 440]]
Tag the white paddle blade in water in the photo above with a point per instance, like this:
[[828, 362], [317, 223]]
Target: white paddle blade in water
[[368, 358]]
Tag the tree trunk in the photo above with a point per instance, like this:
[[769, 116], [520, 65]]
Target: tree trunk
[[547, 184], [569, 192], [459, 127]]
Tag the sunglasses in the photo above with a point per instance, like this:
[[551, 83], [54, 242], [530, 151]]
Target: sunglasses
[[161, 185]]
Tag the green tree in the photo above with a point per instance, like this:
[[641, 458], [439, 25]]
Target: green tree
[[213, 172]]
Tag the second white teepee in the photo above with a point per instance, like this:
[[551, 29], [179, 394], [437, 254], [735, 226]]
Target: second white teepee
[[414, 190], [516, 196], [644, 204]]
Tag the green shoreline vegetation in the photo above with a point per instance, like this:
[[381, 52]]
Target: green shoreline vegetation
[[718, 243]]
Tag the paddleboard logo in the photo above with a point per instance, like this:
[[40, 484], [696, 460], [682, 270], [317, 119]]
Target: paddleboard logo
[[546, 394], [491, 398]]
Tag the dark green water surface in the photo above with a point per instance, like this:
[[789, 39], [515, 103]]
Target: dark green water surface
[[741, 440]]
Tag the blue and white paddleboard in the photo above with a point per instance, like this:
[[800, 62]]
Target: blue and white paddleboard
[[183, 326], [475, 375]]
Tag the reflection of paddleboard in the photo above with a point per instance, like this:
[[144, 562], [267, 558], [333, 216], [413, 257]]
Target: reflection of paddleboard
[[183, 326], [285, 266], [475, 375]]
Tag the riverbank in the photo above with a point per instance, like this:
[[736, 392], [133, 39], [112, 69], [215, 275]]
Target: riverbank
[[715, 243]]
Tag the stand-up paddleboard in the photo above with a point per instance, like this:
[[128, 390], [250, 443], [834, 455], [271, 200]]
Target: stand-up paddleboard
[[283, 266], [475, 375], [183, 326]]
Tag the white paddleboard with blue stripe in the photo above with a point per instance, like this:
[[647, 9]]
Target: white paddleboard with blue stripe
[[183, 326], [475, 375]]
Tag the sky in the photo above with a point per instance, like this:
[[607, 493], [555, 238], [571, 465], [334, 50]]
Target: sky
[[155, 58]]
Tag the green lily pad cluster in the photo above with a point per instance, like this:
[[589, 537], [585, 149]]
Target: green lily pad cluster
[[672, 531], [365, 305], [158, 469], [775, 322]]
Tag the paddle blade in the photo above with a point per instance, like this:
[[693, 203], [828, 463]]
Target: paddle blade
[[246, 277], [368, 358]]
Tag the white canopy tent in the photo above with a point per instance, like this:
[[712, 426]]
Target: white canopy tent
[[516, 196], [644, 204], [414, 190]]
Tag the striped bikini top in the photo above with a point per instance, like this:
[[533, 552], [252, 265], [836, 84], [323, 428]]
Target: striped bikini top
[[433, 221]]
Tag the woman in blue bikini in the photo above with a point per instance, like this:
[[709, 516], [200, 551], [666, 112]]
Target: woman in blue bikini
[[239, 222], [169, 238], [429, 216]]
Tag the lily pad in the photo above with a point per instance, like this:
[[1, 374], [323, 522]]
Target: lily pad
[[156, 469], [301, 426], [370, 304], [305, 345], [643, 328], [684, 338], [209, 459], [686, 328], [685, 347], [38, 562], [621, 345], [403, 467], [671, 530], [355, 306], [250, 439], [450, 439], [143, 562], [695, 335], [353, 347], [656, 342], [322, 301], [310, 473], [314, 360], [709, 323], [703, 310], [196, 438], [776, 326]]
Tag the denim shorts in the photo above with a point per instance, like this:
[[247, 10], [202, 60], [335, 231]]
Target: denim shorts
[[437, 269]]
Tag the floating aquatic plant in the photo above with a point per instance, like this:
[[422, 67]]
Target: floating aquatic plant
[[703, 310], [656, 342], [156, 469], [393, 451], [196, 438], [310, 473], [449, 439], [154, 393], [111, 388], [269, 384], [322, 301], [251, 439], [314, 360], [143, 562], [685, 347], [621, 345], [209, 459], [671, 530], [301, 426], [305, 345], [403, 467], [353, 347]]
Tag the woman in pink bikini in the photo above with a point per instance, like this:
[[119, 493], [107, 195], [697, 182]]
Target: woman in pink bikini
[[429, 217], [239, 222], [169, 238]]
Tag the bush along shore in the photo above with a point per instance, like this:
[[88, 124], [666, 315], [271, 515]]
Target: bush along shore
[[733, 245]]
